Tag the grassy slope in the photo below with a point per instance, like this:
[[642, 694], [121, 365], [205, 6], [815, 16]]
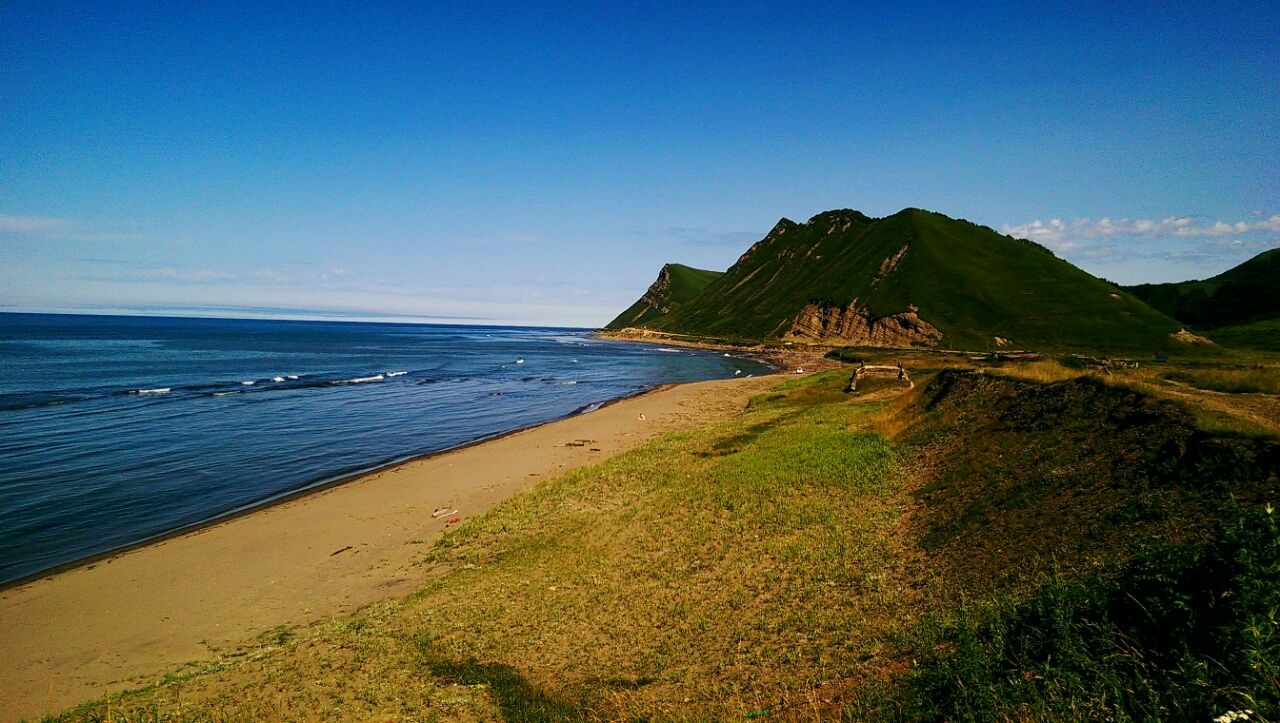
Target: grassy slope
[[759, 295], [682, 284], [710, 573], [1242, 302], [1122, 465], [791, 559], [978, 284], [1263, 335], [969, 281]]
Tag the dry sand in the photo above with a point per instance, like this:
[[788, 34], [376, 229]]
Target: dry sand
[[122, 620]]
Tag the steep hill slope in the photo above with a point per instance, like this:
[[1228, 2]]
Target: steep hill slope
[[915, 278], [1242, 303], [676, 284]]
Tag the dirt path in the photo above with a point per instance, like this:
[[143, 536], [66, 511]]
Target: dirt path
[[1262, 410]]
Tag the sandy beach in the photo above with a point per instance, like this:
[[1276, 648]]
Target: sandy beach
[[121, 620]]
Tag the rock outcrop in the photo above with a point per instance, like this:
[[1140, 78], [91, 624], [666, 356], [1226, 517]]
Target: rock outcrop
[[1192, 339], [657, 298], [826, 322], [889, 265]]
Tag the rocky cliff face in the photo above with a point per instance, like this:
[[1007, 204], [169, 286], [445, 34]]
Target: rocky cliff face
[[889, 265], [779, 230], [658, 297], [853, 324]]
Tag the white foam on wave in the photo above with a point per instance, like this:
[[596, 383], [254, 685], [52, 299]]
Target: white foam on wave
[[396, 374], [676, 351], [591, 408], [362, 380], [291, 376], [160, 390], [248, 384], [277, 379], [520, 361], [223, 394]]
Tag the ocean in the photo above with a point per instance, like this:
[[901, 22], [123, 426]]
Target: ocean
[[115, 430]]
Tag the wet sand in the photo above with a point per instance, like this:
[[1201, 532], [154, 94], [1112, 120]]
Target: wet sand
[[122, 620]]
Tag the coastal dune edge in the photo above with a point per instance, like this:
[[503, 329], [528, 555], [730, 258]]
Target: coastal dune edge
[[109, 625]]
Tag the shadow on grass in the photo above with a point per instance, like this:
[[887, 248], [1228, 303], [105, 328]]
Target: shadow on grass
[[735, 443], [517, 699]]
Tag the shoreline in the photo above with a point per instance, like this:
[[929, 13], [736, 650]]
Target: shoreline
[[316, 487], [197, 594], [781, 359], [323, 483]]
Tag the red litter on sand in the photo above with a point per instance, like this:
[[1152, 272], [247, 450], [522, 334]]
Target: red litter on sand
[[455, 520]]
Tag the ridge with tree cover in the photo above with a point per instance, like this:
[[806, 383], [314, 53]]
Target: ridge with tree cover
[[1238, 307]]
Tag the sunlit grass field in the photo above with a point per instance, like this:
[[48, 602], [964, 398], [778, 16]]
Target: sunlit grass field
[[1029, 542], [754, 565]]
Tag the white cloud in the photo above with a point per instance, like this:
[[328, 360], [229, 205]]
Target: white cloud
[[188, 275], [144, 273], [1143, 249], [1057, 232], [31, 225], [59, 229]]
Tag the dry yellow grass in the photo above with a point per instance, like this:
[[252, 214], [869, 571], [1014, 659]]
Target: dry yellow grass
[[754, 564], [1043, 371]]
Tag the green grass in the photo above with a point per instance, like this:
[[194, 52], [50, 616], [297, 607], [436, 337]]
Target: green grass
[[676, 285], [1257, 380], [1181, 632], [711, 573], [1235, 298], [724, 569], [1068, 474], [1018, 550], [1263, 335]]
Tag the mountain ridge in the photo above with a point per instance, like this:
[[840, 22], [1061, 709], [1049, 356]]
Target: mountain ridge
[[915, 278], [1240, 306], [676, 284]]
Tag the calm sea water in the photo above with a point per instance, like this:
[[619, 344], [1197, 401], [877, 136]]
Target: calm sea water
[[117, 429]]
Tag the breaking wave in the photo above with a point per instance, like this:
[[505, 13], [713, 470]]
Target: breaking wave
[[275, 384]]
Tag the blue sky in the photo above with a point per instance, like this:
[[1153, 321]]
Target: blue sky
[[504, 164]]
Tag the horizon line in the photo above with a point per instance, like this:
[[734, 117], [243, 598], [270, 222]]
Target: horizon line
[[290, 315]]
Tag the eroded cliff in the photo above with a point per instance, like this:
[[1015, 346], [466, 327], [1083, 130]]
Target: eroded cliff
[[853, 324]]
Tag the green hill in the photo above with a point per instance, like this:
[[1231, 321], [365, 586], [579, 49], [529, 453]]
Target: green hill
[[915, 278], [676, 284], [1239, 307]]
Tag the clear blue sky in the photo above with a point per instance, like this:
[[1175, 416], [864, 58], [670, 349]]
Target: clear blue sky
[[497, 163]]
